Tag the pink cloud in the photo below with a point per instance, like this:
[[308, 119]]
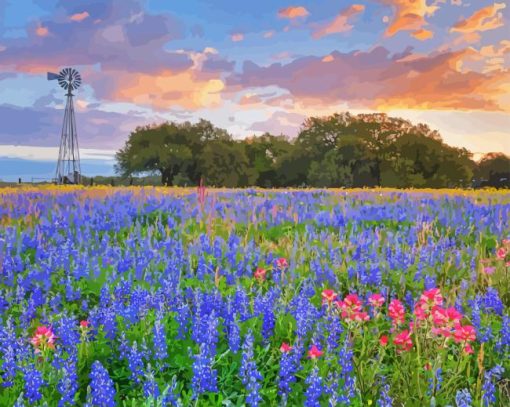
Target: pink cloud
[[79, 16], [377, 79], [236, 37], [340, 23], [293, 12]]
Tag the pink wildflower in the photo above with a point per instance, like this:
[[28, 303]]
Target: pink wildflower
[[376, 300], [43, 339], [328, 296], [315, 352], [403, 340], [396, 312]]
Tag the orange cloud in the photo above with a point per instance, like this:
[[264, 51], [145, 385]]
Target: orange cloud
[[79, 16], [328, 58], [487, 18], [250, 99], [42, 31], [340, 23], [236, 37], [293, 12], [422, 34], [379, 80], [409, 15], [189, 89]]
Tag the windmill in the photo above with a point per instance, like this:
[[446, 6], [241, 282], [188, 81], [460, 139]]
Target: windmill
[[68, 165]]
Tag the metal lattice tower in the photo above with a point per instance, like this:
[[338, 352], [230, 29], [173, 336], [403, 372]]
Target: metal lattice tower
[[68, 164]]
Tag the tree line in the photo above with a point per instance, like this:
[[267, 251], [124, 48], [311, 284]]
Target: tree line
[[341, 150]]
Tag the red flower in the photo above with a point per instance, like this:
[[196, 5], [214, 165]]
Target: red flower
[[328, 295], [396, 311], [432, 296], [383, 340], [468, 349], [43, 339], [84, 324], [464, 333], [351, 308], [285, 347], [403, 340], [315, 352], [376, 300], [428, 300], [359, 316], [260, 274], [282, 263], [501, 253]]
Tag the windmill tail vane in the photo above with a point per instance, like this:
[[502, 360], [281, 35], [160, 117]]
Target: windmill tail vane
[[68, 164]]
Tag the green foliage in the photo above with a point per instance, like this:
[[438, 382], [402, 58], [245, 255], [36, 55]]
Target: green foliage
[[341, 150]]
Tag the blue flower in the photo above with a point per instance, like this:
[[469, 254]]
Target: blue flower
[[314, 390], [102, 387], [250, 376], [33, 383], [463, 398]]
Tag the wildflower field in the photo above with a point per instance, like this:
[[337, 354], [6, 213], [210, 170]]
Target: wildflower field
[[175, 297]]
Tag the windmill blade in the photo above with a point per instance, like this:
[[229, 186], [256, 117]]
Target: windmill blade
[[52, 76]]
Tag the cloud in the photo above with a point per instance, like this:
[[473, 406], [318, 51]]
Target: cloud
[[377, 79], [42, 31], [268, 34], [79, 16], [487, 18], [409, 15], [422, 34], [163, 90], [279, 122], [293, 12], [340, 23], [41, 126], [236, 37], [116, 36]]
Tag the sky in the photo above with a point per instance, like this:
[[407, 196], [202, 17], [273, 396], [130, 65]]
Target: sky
[[249, 67]]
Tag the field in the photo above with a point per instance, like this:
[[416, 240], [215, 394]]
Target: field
[[179, 297]]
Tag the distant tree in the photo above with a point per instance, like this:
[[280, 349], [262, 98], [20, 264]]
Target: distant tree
[[341, 150], [169, 149], [494, 169], [224, 163], [263, 153]]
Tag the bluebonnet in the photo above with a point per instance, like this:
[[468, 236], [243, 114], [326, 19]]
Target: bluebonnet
[[68, 383], [182, 317], [488, 387], [160, 345], [314, 389], [463, 398], [233, 332], [289, 364], [345, 360], [135, 363], [102, 387], [249, 374], [150, 387], [492, 302], [205, 378], [385, 399], [33, 384]]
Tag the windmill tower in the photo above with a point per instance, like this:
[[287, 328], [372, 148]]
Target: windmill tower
[[68, 165]]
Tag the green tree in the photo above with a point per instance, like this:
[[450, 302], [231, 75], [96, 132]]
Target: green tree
[[263, 153], [169, 149], [494, 168], [224, 163]]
